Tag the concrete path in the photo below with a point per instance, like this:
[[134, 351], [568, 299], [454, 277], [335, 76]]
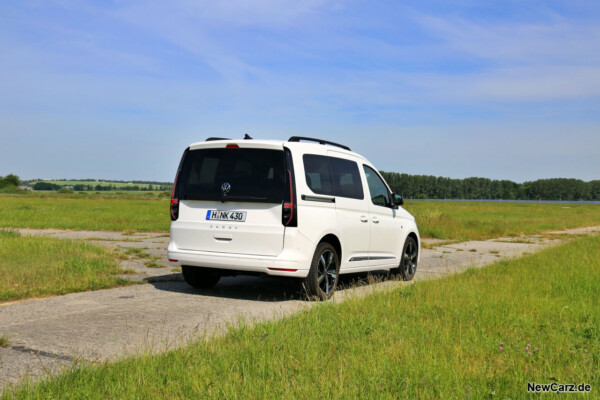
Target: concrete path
[[50, 334]]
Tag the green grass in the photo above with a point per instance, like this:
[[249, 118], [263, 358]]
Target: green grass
[[40, 266], [3, 341], [152, 264], [434, 339], [136, 252], [455, 221], [85, 212], [460, 221]]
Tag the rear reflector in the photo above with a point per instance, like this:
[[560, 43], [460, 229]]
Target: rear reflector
[[172, 260], [232, 146], [282, 269]]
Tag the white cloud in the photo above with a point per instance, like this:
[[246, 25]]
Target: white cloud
[[534, 83], [559, 41], [253, 13]]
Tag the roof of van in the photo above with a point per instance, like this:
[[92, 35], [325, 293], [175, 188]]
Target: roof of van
[[273, 144]]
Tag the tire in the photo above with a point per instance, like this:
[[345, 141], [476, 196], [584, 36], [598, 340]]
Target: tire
[[324, 273], [408, 261], [201, 278]]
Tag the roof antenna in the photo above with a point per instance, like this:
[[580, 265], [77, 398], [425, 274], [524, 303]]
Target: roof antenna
[[246, 136]]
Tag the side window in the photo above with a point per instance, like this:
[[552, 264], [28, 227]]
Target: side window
[[332, 176], [317, 174], [346, 178], [380, 195]]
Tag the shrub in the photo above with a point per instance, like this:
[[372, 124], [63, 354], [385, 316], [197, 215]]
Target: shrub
[[9, 189], [9, 180]]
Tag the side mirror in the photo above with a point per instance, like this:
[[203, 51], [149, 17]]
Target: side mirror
[[398, 200]]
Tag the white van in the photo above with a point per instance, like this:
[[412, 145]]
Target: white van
[[305, 208]]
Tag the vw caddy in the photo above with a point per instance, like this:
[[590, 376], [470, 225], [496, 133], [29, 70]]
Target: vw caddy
[[305, 208]]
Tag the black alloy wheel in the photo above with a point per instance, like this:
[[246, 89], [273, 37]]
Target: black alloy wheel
[[410, 255], [324, 272]]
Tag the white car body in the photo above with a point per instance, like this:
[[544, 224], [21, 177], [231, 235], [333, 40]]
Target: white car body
[[367, 236]]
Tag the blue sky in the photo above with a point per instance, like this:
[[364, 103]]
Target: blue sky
[[117, 89]]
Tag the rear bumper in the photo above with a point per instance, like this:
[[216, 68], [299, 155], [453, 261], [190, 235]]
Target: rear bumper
[[293, 261]]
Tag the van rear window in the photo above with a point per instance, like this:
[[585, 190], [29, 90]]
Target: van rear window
[[248, 175]]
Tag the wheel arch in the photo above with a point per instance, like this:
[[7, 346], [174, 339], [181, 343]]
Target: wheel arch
[[415, 236], [334, 241]]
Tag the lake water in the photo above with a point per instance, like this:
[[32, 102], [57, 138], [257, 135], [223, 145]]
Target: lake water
[[517, 201]]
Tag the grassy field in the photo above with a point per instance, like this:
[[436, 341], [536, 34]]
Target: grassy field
[[481, 334], [40, 266], [85, 212], [468, 220], [444, 220]]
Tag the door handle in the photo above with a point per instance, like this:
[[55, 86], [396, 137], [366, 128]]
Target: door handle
[[363, 218], [375, 220]]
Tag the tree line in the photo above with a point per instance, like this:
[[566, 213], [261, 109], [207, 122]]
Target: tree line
[[409, 186], [101, 180], [432, 187], [99, 187]]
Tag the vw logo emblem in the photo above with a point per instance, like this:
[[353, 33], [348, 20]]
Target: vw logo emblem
[[225, 187]]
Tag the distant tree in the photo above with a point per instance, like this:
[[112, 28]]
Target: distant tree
[[594, 187], [11, 179], [45, 186]]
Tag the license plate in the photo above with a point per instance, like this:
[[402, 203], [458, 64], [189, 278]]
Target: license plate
[[215, 215]]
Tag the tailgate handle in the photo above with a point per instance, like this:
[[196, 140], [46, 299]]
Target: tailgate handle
[[223, 238]]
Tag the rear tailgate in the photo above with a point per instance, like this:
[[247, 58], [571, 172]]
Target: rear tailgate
[[230, 199], [260, 234]]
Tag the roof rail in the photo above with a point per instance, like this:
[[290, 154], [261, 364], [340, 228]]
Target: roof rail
[[320, 141], [210, 139]]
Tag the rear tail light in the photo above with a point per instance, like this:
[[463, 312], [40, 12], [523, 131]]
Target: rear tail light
[[232, 146], [289, 214], [174, 209], [175, 200], [288, 207], [175, 194]]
